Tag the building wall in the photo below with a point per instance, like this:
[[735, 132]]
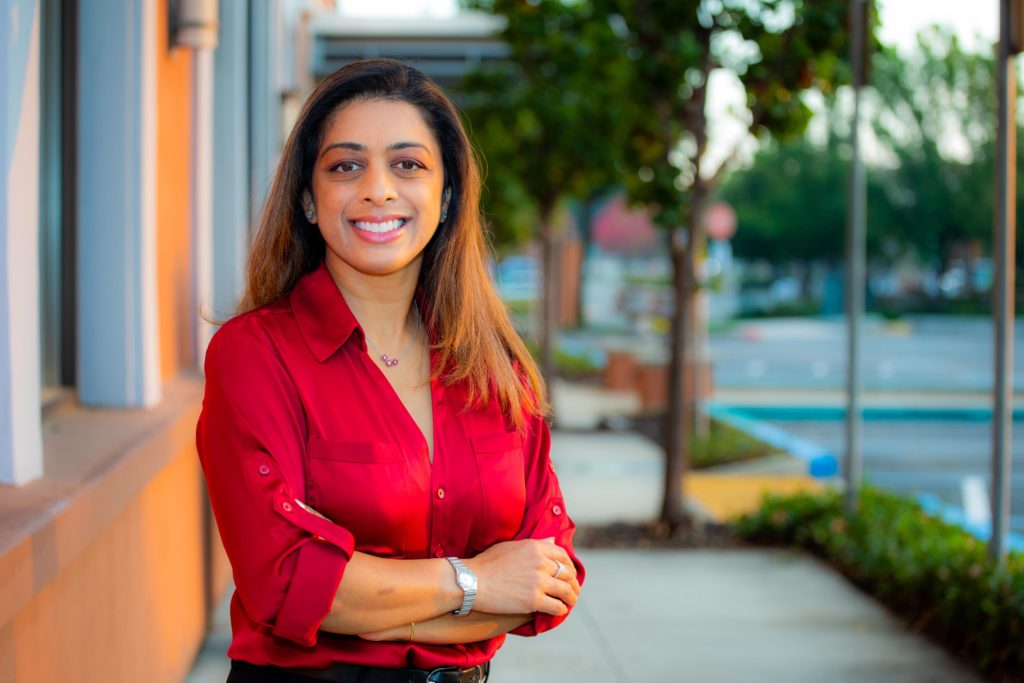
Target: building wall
[[109, 556], [130, 606], [173, 203], [110, 561], [19, 228]]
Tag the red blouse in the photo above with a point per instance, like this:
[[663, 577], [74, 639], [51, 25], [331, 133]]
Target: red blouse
[[295, 408]]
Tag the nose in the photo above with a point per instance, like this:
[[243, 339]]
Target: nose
[[378, 185]]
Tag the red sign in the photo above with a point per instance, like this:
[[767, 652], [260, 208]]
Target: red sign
[[720, 221]]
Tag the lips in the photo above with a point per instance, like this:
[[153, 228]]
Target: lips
[[378, 229]]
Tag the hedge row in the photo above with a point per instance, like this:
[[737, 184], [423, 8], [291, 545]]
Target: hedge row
[[935, 574]]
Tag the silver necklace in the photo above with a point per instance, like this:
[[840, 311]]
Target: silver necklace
[[388, 361]]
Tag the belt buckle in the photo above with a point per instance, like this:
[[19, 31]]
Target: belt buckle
[[435, 675], [473, 674]]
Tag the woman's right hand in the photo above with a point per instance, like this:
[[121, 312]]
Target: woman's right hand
[[517, 577]]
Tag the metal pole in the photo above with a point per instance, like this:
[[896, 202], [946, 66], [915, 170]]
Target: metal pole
[[855, 268], [1003, 304]]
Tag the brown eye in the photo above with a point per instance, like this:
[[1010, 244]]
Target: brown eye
[[345, 166], [408, 165]]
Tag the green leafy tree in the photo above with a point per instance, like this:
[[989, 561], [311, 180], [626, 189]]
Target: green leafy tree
[[936, 112], [932, 111], [542, 120], [791, 204], [623, 84], [777, 49]]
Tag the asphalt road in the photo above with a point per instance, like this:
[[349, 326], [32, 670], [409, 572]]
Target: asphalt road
[[926, 356], [926, 353]]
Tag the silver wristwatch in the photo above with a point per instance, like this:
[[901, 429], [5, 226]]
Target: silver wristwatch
[[467, 582]]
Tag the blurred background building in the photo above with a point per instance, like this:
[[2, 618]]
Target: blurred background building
[[118, 158]]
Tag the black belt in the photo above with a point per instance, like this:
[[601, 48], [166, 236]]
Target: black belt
[[350, 673]]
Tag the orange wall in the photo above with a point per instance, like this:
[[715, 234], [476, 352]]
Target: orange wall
[[174, 202], [130, 607]]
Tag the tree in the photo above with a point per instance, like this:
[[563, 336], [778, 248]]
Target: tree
[[635, 73], [929, 190], [790, 200], [777, 49], [790, 203], [936, 114], [535, 116]]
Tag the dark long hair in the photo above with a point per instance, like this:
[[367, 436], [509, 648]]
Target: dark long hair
[[467, 322]]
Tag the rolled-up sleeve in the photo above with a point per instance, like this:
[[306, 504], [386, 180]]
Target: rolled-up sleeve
[[251, 438], [546, 516]]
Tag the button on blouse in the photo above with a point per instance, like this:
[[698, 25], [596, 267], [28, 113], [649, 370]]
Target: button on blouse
[[295, 410]]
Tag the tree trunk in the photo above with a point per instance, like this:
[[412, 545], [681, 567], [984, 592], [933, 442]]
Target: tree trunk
[[699, 354], [678, 422], [585, 216], [549, 295]]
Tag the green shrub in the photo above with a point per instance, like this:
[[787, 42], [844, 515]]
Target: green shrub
[[936, 574], [723, 445], [726, 444], [574, 366], [567, 365], [802, 308]]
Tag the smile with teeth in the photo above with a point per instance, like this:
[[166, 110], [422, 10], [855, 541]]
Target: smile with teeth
[[380, 228]]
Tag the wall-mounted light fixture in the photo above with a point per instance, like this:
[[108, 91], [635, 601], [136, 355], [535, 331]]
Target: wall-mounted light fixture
[[195, 24]]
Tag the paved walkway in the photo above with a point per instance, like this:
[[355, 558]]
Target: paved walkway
[[706, 616], [718, 617]]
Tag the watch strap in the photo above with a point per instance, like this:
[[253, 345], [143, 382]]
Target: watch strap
[[466, 580]]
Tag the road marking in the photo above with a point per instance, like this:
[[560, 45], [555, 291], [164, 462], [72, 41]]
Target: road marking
[[974, 494]]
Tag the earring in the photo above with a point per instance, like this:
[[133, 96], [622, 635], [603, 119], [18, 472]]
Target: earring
[[444, 203], [310, 215]]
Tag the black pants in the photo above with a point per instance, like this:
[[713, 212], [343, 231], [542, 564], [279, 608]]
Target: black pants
[[244, 672]]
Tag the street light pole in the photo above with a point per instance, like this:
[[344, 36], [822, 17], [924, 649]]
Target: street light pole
[[855, 266], [1011, 14]]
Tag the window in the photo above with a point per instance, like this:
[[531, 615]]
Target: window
[[57, 198]]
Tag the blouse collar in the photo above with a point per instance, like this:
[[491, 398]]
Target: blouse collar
[[322, 314], [324, 317]]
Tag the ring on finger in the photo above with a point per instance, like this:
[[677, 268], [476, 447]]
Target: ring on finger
[[558, 571]]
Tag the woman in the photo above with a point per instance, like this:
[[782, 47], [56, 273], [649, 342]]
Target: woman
[[372, 433]]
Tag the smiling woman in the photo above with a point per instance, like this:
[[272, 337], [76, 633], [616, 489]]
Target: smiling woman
[[406, 509], [376, 191]]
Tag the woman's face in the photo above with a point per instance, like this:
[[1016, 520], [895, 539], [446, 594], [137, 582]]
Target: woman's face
[[377, 187]]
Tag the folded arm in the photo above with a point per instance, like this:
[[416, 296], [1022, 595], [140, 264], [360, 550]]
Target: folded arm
[[447, 629], [513, 578]]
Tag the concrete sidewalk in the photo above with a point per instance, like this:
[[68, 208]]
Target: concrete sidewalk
[[718, 617], [708, 615], [694, 615]]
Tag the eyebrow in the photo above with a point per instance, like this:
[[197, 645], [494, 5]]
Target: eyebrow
[[357, 147]]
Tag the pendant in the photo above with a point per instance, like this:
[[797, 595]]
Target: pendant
[[389, 362]]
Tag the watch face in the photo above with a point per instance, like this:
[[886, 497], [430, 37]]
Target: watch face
[[467, 581]]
